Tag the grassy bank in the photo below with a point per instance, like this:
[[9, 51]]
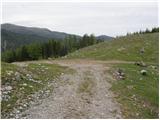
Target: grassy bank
[[138, 94]]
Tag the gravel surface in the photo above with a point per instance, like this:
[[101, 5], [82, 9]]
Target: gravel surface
[[73, 99]]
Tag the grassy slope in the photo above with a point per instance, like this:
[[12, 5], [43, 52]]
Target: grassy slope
[[20, 79], [138, 94], [123, 48]]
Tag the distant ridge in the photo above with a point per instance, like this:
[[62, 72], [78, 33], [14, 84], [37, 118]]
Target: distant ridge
[[13, 36]]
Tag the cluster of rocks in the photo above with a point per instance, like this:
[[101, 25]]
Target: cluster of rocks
[[30, 78], [42, 68], [9, 72], [141, 64], [33, 99], [5, 91], [119, 74], [29, 100]]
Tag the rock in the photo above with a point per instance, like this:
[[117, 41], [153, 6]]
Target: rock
[[141, 51], [18, 76], [130, 87], [141, 64], [29, 76], [20, 107], [24, 105], [24, 84], [8, 105], [153, 67], [120, 74], [9, 72], [31, 86], [8, 88], [144, 72], [121, 49]]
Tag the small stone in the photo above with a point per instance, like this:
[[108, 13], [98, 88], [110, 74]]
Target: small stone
[[20, 107], [144, 72], [17, 111], [25, 105], [17, 74], [8, 105], [8, 88], [9, 72], [24, 84], [130, 87]]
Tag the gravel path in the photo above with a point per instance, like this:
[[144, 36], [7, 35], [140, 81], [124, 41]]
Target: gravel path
[[84, 94]]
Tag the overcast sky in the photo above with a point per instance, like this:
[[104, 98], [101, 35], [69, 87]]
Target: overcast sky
[[109, 18]]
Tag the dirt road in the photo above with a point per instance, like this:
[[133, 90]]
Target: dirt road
[[85, 94]]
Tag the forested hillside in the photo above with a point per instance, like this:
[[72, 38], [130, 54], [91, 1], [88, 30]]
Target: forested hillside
[[52, 48], [14, 36]]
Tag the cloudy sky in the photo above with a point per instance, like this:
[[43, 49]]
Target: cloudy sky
[[110, 18]]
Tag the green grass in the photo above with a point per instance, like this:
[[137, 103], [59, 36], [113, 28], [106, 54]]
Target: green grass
[[41, 73], [138, 94], [123, 48]]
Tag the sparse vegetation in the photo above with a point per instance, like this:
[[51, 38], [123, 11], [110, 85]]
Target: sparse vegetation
[[19, 84], [86, 85]]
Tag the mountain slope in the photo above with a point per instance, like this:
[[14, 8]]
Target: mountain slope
[[104, 37], [123, 48], [14, 36], [42, 32]]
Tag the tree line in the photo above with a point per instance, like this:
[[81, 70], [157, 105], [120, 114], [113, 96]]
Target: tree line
[[52, 48], [153, 30]]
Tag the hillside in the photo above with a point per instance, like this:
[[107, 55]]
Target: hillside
[[99, 81], [137, 93], [123, 48], [14, 36]]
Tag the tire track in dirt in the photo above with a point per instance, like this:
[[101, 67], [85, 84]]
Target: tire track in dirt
[[84, 94]]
